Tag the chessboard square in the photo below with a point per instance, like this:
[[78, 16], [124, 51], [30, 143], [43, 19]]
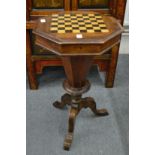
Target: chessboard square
[[61, 31], [67, 17], [76, 31], [73, 21], [83, 31], [67, 20], [82, 28], [102, 25], [75, 25], [96, 28], [60, 18], [98, 17], [87, 21], [55, 15], [68, 31], [88, 25], [100, 21], [56, 26], [61, 26], [75, 28], [54, 19], [104, 30], [61, 21], [92, 18], [90, 31], [54, 23], [81, 23], [94, 23], [67, 23], [68, 28], [90, 28], [79, 18], [53, 28]]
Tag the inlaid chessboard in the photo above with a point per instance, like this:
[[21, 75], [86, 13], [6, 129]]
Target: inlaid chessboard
[[78, 23]]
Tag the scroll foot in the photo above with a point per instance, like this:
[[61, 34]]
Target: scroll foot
[[65, 99], [89, 102], [68, 141]]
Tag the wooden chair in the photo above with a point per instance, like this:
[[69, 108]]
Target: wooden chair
[[38, 58]]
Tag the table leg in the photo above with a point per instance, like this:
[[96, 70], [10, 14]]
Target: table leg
[[89, 102], [71, 123], [65, 99]]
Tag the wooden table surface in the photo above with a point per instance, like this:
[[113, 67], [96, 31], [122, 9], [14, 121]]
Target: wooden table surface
[[69, 39]]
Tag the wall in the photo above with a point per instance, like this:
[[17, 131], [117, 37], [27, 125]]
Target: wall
[[124, 47]]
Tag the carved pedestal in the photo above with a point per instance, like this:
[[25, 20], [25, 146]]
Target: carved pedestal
[[76, 69]]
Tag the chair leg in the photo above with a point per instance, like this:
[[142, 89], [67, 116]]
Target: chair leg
[[110, 74]]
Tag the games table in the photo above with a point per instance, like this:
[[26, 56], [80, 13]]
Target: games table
[[77, 37]]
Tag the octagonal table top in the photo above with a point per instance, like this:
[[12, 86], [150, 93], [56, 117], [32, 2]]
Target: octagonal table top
[[79, 29]]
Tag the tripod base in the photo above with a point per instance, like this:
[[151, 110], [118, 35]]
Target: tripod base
[[76, 103]]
